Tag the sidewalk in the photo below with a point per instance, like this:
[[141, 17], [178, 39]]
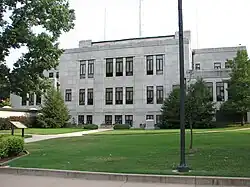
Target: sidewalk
[[36, 138], [35, 181]]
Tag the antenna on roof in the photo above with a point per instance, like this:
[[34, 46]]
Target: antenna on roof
[[104, 32], [140, 24]]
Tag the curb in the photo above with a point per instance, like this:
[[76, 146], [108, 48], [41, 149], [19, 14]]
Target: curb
[[170, 179]]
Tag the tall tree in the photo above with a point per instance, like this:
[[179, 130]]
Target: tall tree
[[239, 85], [18, 21], [199, 108]]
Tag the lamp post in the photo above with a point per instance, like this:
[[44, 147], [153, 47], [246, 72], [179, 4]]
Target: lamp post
[[182, 167]]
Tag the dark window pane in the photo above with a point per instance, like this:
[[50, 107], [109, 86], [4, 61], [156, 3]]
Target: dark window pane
[[90, 96], [149, 117], [51, 75], [119, 66], [109, 96], [38, 99], [109, 67], [159, 64], [119, 96], [90, 68], [68, 95], [220, 91], [108, 119], [82, 69], [129, 66], [217, 65], [150, 65], [24, 100], [118, 119], [129, 120], [80, 119], [159, 94], [150, 95], [197, 66], [82, 97], [89, 119], [129, 95], [210, 88]]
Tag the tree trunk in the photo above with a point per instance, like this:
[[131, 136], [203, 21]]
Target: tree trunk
[[191, 137], [242, 119]]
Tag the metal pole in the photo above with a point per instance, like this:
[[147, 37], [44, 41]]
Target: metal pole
[[182, 167]]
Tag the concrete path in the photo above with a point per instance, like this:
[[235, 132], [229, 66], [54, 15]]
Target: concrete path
[[36, 138], [8, 180]]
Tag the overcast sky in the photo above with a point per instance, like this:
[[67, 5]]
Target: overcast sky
[[213, 23]]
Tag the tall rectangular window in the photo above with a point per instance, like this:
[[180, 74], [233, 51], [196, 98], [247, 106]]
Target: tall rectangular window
[[118, 119], [68, 95], [89, 119], [129, 120], [82, 69], [197, 66], [159, 94], [80, 119], [217, 65], [82, 97], [57, 75], [150, 95], [150, 64], [24, 100], [108, 119], [109, 96], [129, 66], [229, 92], [38, 99], [220, 91], [129, 95], [51, 75], [159, 64], [90, 68], [119, 96], [90, 96], [109, 67], [31, 99], [210, 89], [119, 67]]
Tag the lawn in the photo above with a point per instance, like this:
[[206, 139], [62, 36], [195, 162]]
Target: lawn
[[25, 136], [45, 131], [217, 154]]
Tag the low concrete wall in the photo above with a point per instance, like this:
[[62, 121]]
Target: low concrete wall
[[170, 179], [8, 112]]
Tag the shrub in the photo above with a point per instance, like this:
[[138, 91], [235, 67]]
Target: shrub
[[4, 124], [51, 123], [11, 146], [90, 126], [121, 127]]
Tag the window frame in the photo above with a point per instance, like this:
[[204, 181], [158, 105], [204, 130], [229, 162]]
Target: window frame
[[108, 119], [118, 119], [91, 70], [149, 64], [197, 66], [119, 67], [119, 95], [129, 66], [109, 96], [217, 65], [109, 67], [89, 118], [90, 96], [160, 64], [159, 94], [81, 119], [150, 116], [51, 73], [83, 69], [68, 95], [150, 94], [129, 95], [220, 92], [82, 96], [129, 119]]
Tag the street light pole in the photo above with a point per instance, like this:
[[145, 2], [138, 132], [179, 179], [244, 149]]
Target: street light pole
[[182, 167]]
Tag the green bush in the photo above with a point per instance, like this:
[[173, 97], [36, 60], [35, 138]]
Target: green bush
[[121, 127], [90, 126], [51, 123], [11, 146], [4, 124]]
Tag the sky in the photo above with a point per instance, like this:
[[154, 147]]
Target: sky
[[213, 23]]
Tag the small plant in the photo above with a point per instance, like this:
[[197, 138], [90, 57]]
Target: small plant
[[121, 126], [90, 126], [11, 146]]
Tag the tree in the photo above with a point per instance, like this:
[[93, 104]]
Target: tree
[[170, 111], [239, 85], [199, 109], [18, 21], [54, 111]]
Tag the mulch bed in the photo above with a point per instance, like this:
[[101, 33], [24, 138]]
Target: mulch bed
[[4, 160]]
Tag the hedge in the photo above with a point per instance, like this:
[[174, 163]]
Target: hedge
[[121, 127], [90, 126], [11, 146]]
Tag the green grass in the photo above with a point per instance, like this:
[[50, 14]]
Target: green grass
[[44, 131], [25, 136], [217, 154]]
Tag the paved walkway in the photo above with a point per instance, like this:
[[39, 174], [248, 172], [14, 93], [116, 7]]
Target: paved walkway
[[37, 181], [36, 138]]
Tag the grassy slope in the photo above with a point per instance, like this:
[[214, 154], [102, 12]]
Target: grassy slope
[[221, 154]]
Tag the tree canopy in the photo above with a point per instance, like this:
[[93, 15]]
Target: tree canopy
[[19, 19]]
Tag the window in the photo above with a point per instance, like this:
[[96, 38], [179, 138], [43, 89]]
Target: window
[[159, 94], [158, 119], [38, 99], [80, 119], [220, 91], [90, 68], [119, 96], [68, 95], [129, 66], [159, 64], [129, 120], [150, 95], [89, 119], [82, 69], [24, 100], [197, 66], [129, 95], [108, 119], [82, 97], [31, 99], [119, 66], [57, 75], [109, 67], [90, 96], [229, 92], [210, 88], [109, 96], [149, 117], [217, 65], [227, 65], [150, 65], [51, 75], [118, 119], [176, 86]]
